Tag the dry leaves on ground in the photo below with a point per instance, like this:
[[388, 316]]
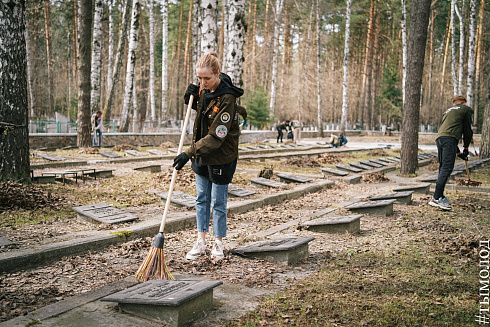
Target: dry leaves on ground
[[374, 178], [14, 196], [167, 145], [123, 147]]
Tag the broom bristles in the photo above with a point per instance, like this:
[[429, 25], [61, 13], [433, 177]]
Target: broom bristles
[[154, 267]]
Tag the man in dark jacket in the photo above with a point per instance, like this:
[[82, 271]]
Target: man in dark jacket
[[280, 128], [456, 122]]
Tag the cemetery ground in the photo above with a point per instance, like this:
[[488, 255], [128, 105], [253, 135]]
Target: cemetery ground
[[418, 266]]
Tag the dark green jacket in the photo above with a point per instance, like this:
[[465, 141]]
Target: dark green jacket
[[456, 122], [216, 127]]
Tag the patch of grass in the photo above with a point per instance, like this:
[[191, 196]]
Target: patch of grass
[[32, 217], [481, 175]]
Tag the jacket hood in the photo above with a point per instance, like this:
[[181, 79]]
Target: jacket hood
[[225, 87]]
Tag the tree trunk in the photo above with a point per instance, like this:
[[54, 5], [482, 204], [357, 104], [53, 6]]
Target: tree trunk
[[453, 49], [404, 46], [461, 47], [164, 59], [471, 54], [485, 134], [444, 61], [345, 68], [318, 71], [179, 110], [153, 114], [187, 48], [118, 60], [209, 25], [110, 52], [223, 30], [49, 55], [274, 58], [30, 76], [478, 63], [96, 56], [374, 110], [133, 44], [85, 31], [266, 47], [419, 20], [286, 53], [75, 39], [236, 41], [431, 62], [369, 67], [14, 143], [254, 46]]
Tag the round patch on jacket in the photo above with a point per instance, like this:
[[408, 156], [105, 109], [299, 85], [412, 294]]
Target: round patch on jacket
[[221, 131], [225, 117]]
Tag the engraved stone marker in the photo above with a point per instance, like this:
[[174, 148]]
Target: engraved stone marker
[[335, 224], [173, 150], [50, 157], [109, 154], [353, 179], [371, 164], [251, 147], [150, 168], [381, 207], [180, 198], [360, 166], [135, 153], [348, 168], [400, 197], [378, 162], [417, 188], [289, 250], [333, 172], [156, 152], [103, 213], [384, 160], [289, 178], [264, 182], [393, 159], [429, 179], [241, 148], [174, 302], [239, 191]]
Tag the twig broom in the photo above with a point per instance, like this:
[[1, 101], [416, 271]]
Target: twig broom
[[154, 266]]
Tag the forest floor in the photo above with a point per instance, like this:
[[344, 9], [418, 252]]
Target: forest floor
[[416, 267]]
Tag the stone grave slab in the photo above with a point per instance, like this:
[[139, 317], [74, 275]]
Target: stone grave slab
[[290, 178], [417, 188], [264, 182], [263, 146], [44, 179], [239, 191], [348, 168], [353, 179], [173, 302], [156, 152], [50, 157], [429, 179], [385, 160], [404, 197], [290, 250], [180, 198], [393, 159], [103, 213], [380, 207], [135, 153], [371, 164], [241, 148], [335, 224], [5, 241], [173, 150], [398, 157], [150, 168], [251, 147], [109, 154], [333, 172], [360, 166], [378, 162]]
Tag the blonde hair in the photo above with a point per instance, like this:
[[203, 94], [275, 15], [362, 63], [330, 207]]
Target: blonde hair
[[460, 99], [210, 60]]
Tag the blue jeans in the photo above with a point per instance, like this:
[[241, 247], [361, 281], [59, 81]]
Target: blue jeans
[[211, 195], [97, 141], [447, 147]]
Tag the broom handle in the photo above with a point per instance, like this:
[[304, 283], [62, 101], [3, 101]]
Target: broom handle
[[174, 173], [467, 171]]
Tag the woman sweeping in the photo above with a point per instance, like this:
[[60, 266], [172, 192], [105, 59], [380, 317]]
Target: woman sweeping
[[214, 150]]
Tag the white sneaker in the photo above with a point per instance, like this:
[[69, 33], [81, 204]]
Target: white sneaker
[[217, 251], [198, 249], [440, 203]]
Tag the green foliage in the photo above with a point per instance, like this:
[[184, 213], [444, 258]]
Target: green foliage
[[257, 105], [391, 100]]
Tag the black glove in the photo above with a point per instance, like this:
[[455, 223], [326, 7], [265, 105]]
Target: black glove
[[180, 161], [466, 153], [192, 89], [463, 155]]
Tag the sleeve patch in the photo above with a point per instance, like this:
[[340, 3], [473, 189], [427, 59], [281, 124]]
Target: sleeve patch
[[221, 131], [225, 117]]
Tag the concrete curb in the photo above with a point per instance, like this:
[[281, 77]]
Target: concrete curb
[[38, 255]]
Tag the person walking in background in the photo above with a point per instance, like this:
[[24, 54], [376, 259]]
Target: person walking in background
[[280, 128], [456, 121], [214, 150], [98, 128]]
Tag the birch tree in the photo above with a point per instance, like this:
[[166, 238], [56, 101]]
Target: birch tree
[[153, 114], [461, 48], [318, 71], [453, 49], [118, 60], [277, 13], [208, 20], [110, 51], [96, 56], [85, 31], [471, 55], [236, 41], [164, 58], [128, 89], [49, 54], [419, 22], [479, 46], [345, 68], [404, 47], [14, 144], [30, 76]]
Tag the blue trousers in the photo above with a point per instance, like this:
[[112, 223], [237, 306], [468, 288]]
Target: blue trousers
[[97, 140], [215, 196]]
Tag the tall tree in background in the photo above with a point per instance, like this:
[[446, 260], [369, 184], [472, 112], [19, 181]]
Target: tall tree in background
[[479, 47], [209, 26], [471, 54], [419, 20], [404, 47], [30, 75], [179, 109], [110, 50], [485, 134], [318, 71], [453, 49], [118, 61], [96, 56], [153, 114], [128, 88], [367, 75], [236, 41], [461, 47], [85, 32], [277, 14], [164, 59], [49, 54], [14, 144], [345, 68]]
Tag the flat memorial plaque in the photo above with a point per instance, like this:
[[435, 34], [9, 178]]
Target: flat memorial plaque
[[173, 150], [417, 188], [360, 166], [50, 157], [264, 182], [289, 178], [180, 198], [239, 191], [334, 224], [380, 207], [385, 160], [251, 147], [348, 168], [393, 159], [103, 213], [150, 168], [156, 152], [404, 197], [135, 153], [378, 162], [334, 172], [371, 164], [241, 148], [109, 154], [429, 179]]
